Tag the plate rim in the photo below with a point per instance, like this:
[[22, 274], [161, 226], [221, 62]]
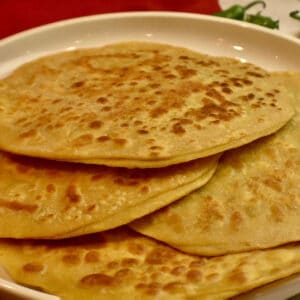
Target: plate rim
[[149, 14]]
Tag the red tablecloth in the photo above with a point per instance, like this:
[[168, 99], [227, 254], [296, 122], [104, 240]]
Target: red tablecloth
[[18, 15]]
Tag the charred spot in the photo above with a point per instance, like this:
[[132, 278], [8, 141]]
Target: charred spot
[[106, 108], [92, 257], [173, 287], [72, 194], [77, 84], [120, 141], [178, 129], [71, 259], [102, 100], [95, 124], [227, 90], [159, 256], [18, 206], [255, 74], [83, 140], [137, 123], [28, 133], [33, 267], [98, 279], [142, 131], [194, 275], [185, 72], [50, 188], [103, 138], [129, 262]]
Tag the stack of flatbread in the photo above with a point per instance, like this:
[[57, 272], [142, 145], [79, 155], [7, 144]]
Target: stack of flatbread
[[147, 171]]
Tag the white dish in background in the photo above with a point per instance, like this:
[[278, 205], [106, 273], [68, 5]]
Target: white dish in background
[[207, 34]]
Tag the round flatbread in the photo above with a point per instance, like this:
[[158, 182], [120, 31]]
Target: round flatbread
[[121, 264], [252, 201], [41, 198], [137, 104]]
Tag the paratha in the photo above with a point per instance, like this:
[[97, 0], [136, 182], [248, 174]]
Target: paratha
[[253, 200], [41, 198], [137, 104], [120, 265]]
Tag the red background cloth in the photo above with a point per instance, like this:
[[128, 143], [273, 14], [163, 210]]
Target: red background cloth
[[19, 15]]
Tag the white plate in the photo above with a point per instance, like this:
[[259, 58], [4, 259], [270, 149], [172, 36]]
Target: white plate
[[216, 36]]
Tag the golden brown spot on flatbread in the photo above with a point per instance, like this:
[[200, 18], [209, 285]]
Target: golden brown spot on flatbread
[[165, 269], [65, 109], [255, 74], [237, 276], [155, 275], [71, 259], [129, 262], [236, 220], [158, 111], [179, 270], [106, 108], [235, 162], [274, 182], [140, 286], [197, 263], [178, 129], [91, 207], [124, 275], [103, 138], [212, 277], [194, 275], [83, 140], [154, 154], [95, 124], [185, 72], [156, 148], [175, 221], [126, 181], [72, 194], [33, 267], [21, 120], [136, 248], [159, 255], [56, 101], [28, 133], [98, 279], [77, 84], [173, 287], [92, 257], [137, 122], [142, 131], [18, 206], [277, 213], [153, 289], [227, 90], [145, 189], [212, 215], [50, 188], [120, 141], [112, 265]]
